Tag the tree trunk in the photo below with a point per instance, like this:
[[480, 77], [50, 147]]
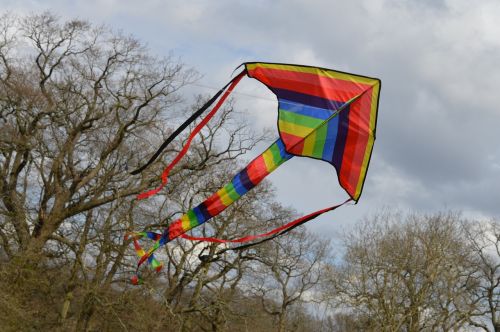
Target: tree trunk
[[65, 306], [88, 307], [282, 321]]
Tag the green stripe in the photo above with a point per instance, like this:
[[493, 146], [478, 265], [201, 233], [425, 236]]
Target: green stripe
[[299, 119], [319, 143], [231, 192], [155, 264], [275, 151], [193, 222]]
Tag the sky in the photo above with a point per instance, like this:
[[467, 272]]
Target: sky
[[438, 135]]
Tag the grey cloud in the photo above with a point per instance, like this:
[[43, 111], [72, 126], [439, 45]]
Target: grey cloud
[[437, 138]]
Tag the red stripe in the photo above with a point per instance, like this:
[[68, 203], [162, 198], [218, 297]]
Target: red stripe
[[257, 170], [175, 229], [214, 205], [294, 144], [357, 139], [137, 246], [310, 78], [311, 84], [364, 130]]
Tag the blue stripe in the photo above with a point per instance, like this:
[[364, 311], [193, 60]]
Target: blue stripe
[[238, 186], [153, 235], [204, 211], [331, 138], [283, 153], [199, 215], [307, 99], [164, 237], [298, 108]]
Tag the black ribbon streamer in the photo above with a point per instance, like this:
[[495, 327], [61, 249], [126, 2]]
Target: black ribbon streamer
[[183, 126]]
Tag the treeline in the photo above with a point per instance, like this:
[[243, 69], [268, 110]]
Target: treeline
[[81, 106]]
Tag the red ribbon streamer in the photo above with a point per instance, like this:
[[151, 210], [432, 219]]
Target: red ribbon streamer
[[197, 129], [274, 231]]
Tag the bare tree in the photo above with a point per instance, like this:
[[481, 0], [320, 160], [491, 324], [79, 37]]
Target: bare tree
[[412, 274], [74, 102], [287, 274], [484, 237], [79, 107], [186, 280]]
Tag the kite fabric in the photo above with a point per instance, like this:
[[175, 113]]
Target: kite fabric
[[325, 114], [322, 114]]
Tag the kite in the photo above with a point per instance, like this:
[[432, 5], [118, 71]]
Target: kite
[[323, 114]]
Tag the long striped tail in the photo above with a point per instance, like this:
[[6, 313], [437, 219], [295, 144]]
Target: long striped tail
[[243, 182]]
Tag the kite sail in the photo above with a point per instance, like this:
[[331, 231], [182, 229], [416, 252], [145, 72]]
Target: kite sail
[[322, 114]]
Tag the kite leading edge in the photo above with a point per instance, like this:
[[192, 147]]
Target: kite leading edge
[[322, 114]]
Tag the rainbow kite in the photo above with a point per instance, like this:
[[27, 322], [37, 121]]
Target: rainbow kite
[[323, 114]]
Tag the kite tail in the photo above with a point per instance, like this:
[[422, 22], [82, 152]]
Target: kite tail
[[197, 129], [143, 256], [244, 181]]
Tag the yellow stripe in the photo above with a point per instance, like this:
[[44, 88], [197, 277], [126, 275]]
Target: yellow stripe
[[224, 197], [309, 144], [364, 167], [371, 140], [373, 111], [186, 225], [269, 160], [293, 129], [317, 71]]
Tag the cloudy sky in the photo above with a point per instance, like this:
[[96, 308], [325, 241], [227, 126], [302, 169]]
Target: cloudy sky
[[438, 135]]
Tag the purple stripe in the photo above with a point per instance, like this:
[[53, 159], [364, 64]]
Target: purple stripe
[[343, 128], [245, 179], [307, 99], [204, 211]]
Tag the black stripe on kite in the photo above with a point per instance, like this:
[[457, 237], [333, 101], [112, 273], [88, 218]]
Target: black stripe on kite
[[343, 128]]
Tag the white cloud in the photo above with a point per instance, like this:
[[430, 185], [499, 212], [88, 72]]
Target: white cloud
[[438, 125]]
